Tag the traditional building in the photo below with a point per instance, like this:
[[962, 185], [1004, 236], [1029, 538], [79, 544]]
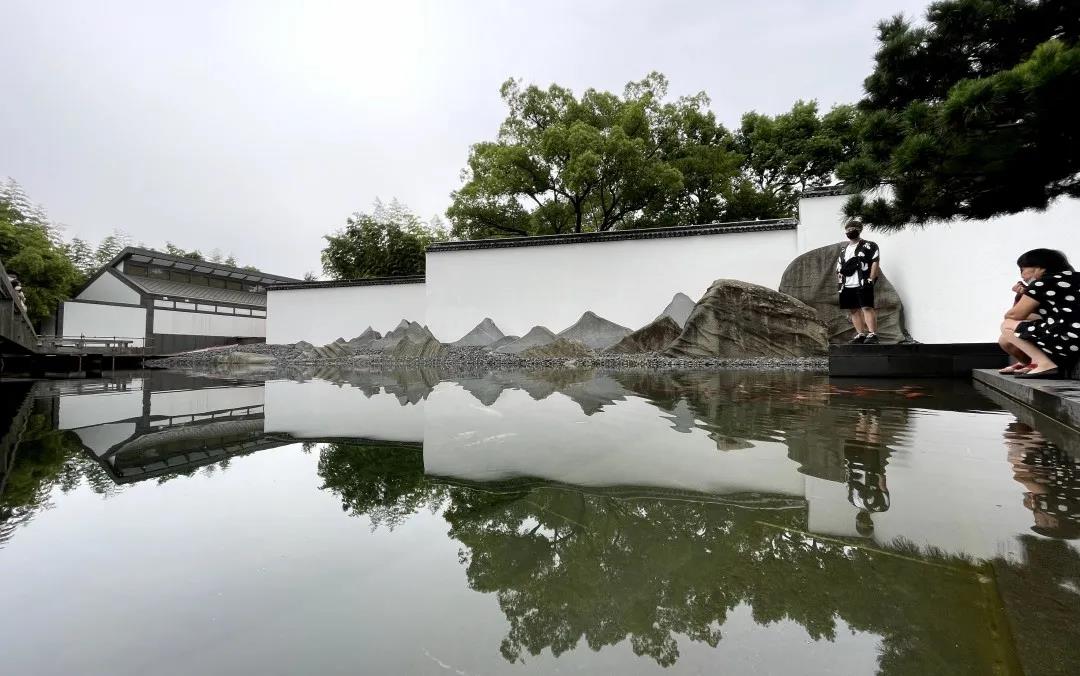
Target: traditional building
[[170, 304]]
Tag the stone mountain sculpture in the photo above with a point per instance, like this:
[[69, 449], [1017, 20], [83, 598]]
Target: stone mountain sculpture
[[812, 279], [736, 319]]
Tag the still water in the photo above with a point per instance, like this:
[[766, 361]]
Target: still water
[[554, 521]]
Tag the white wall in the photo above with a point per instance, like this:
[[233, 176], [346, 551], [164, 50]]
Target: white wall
[[321, 316], [953, 278], [199, 324], [110, 289], [104, 321], [628, 281]]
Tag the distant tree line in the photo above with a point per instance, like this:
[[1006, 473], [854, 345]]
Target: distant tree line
[[969, 116]]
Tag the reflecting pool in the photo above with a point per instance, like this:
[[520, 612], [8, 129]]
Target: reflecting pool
[[549, 521]]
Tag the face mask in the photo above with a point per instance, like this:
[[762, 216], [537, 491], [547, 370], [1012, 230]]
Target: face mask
[[853, 234]]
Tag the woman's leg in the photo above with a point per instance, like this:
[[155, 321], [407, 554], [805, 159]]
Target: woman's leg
[[1012, 350], [1041, 360]]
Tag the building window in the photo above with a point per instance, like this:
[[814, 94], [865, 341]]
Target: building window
[[236, 286], [159, 273], [199, 280], [134, 270], [179, 276], [216, 283]]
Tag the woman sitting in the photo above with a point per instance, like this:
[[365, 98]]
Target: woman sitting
[[1023, 362], [1052, 339]]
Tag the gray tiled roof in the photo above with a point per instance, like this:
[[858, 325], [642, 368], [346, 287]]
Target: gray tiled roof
[[165, 287]]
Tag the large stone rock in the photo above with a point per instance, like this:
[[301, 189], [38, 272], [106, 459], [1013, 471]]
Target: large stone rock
[[484, 334], [560, 347], [679, 309], [654, 337], [812, 279], [595, 332], [424, 348], [537, 336], [406, 329], [365, 339], [505, 340], [737, 319]]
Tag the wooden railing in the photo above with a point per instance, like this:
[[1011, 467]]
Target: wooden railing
[[105, 345]]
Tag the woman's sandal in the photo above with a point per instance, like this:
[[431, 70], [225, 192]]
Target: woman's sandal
[[1016, 369], [1048, 374]]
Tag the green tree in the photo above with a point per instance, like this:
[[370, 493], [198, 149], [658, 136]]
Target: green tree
[[174, 250], [972, 115], [28, 251], [564, 164], [389, 242], [111, 246], [791, 152]]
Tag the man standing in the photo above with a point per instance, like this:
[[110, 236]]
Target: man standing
[[857, 270]]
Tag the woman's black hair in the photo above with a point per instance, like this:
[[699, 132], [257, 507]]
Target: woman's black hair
[[1050, 259]]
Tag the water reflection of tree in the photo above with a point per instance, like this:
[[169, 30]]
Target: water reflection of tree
[[385, 483], [571, 567], [42, 460]]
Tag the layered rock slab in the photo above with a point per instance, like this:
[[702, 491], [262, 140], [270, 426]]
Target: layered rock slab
[[483, 335], [537, 336], [812, 279], [656, 336], [595, 332], [678, 309], [736, 319]]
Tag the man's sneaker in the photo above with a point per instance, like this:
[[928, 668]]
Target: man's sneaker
[[871, 339], [859, 339]]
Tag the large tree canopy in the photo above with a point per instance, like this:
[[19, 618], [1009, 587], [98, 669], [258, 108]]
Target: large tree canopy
[[564, 164], [568, 164], [793, 151], [972, 115], [389, 242]]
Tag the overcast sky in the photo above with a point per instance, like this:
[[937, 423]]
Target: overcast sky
[[257, 127]]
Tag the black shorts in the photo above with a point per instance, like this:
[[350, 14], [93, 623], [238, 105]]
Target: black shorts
[[855, 298]]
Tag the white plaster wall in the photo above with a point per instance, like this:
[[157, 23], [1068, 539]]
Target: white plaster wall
[[320, 316], [954, 278], [104, 321], [628, 282], [198, 324], [317, 409], [110, 289]]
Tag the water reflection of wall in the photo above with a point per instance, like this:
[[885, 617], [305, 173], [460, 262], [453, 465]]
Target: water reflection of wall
[[318, 409]]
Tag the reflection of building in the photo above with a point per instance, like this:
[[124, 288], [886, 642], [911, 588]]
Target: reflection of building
[[152, 426], [177, 303]]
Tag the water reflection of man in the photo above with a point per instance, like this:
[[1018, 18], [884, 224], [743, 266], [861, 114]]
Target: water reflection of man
[[1051, 481], [865, 458]]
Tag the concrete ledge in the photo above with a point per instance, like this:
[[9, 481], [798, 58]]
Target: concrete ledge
[[915, 360], [1056, 399]]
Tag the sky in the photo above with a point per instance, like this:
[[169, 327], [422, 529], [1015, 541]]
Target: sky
[[255, 128]]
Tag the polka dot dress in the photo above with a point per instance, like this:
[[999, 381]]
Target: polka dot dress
[[1057, 332]]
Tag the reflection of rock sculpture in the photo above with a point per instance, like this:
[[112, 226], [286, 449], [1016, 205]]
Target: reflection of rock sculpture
[[736, 319], [654, 337], [812, 279], [485, 334], [595, 332]]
